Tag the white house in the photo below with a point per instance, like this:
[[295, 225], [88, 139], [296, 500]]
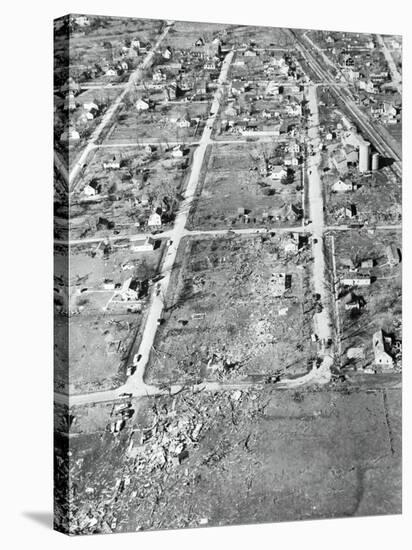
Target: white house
[[277, 173], [143, 245], [183, 123], [382, 358], [90, 106], [177, 152], [89, 191], [141, 105], [154, 220], [341, 186], [294, 109]]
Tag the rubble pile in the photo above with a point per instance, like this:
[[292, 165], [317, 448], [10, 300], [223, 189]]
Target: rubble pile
[[149, 462]]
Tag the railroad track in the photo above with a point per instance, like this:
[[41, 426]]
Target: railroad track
[[346, 96]]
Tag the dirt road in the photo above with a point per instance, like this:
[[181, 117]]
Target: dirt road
[[396, 77], [322, 323], [107, 117], [135, 383]]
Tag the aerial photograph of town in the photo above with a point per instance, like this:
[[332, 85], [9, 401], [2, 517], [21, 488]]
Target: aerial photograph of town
[[227, 274]]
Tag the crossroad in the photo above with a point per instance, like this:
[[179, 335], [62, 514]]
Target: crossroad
[[135, 384], [321, 371], [108, 116]]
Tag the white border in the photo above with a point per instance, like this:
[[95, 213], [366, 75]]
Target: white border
[[26, 259]]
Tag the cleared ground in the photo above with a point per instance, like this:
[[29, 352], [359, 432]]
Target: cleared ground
[[261, 457], [95, 339], [159, 124], [232, 185], [227, 318]]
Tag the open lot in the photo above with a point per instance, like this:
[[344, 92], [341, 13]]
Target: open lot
[[98, 315], [238, 172], [98, 347], [380, 302], [262, 457], [160, 124], [395, 131], [262, 37], [237, 307], [184, 34]]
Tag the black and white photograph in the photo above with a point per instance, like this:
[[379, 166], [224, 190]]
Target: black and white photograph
[[205, 275], [227, 284]]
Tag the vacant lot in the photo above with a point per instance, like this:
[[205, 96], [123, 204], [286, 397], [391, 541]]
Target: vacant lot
[[266, 456], [184, 34], [160, 124], [381, 301], [227, 317], [104, 320], [98, 348], [395, 131], [234, 193], [262, 37]]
